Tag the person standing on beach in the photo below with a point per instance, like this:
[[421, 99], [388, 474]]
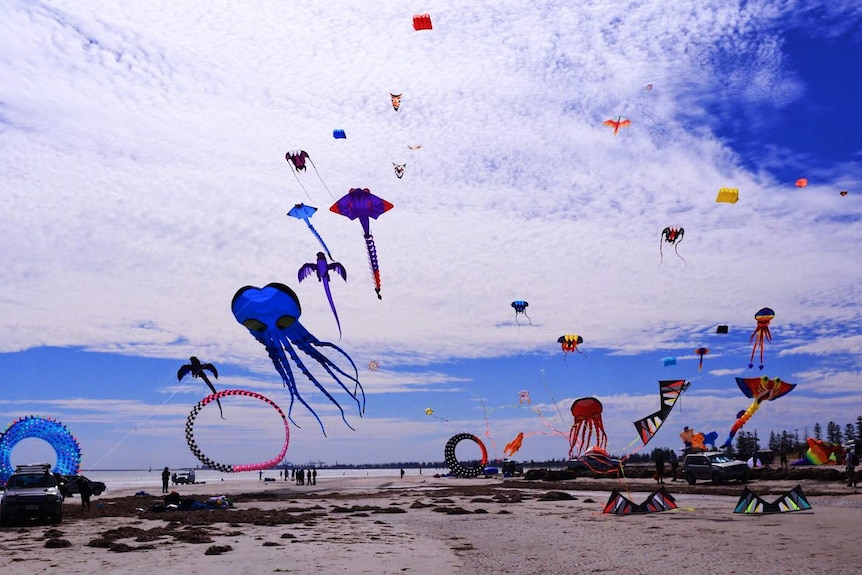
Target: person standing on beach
[[86, 491], [659, 467], [402, 473], [314, 476], [783, 459], [674, 465], [850, 465], [166, 475]]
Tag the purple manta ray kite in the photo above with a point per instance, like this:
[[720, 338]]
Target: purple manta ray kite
[[322, 269], [360, 203], [304, 213]]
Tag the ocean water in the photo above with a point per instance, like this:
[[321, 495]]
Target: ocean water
[[147, 480]]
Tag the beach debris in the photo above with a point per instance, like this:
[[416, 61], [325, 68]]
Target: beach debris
[[271, 314], [669, 392]]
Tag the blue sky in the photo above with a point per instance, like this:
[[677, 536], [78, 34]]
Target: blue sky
[[142, 167]]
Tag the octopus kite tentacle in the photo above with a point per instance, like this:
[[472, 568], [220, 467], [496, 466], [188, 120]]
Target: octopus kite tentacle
[[372, 259], [331, 368]]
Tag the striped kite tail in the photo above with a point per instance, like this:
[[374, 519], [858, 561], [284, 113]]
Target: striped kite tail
[[372, 260]]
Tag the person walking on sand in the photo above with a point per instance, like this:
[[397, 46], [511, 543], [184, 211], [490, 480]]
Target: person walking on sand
[[86, 491], [659, 467], [166, 475], [674, 465]]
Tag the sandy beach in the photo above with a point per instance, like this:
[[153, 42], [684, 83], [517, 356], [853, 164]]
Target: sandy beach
[[422, 524]]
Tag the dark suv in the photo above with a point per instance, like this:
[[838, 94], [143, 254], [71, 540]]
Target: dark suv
[[713, 466], [32, 492], [71, 485]]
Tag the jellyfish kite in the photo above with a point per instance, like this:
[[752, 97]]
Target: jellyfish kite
[[520, 307], [297, 160], [199, 370], [587, 412], [761, 333], [321, 269], [271, 314], [701, 351], [673, 236], [360, 203], [304, 213], [759, 389], [620, 122], [569, 343]]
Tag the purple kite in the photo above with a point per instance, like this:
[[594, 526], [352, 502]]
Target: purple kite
[[362, 204], [322, 269], [304, 213], [296, 160]]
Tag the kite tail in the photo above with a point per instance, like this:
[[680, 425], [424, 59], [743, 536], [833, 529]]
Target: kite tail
[[679, 256], [660, 252], [742, 420], [325, 187], [528, 318], [320, 239], [332, 307], [372, 259]]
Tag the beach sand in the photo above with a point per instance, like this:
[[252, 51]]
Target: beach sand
[[430, 525]]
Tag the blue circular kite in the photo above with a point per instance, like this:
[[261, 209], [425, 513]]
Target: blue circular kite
[[49, 430]]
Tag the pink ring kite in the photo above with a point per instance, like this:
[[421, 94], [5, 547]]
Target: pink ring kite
[[226, 468]]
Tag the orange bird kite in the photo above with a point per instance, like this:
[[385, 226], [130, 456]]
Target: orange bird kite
[[620, 122]]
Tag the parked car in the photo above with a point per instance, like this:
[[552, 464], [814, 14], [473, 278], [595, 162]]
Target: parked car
[[71, 485], [32, 492], [712, 466], [183, 477]]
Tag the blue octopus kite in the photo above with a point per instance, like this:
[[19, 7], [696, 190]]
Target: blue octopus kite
[[271, 315]]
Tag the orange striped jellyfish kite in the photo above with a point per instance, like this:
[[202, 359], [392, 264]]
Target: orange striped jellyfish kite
[[587, 412], [761, 333]]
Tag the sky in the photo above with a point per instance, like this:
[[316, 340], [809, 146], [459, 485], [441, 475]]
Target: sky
[[144, 182]]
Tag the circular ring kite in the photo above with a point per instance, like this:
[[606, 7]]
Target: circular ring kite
[[49, 430], [226, 468], [456, 467]]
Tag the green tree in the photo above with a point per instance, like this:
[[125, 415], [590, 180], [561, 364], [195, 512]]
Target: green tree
[[818, 431]]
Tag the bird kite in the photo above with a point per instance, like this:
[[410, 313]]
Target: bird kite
[[670, 390], [673, 236], [199, 370], [620, 122], [520, 307], [361, 204], [759, 389], [321, 269], [793, 500], [271, 314], [761, 333], [297, 160], [304, 213], [659, 500]]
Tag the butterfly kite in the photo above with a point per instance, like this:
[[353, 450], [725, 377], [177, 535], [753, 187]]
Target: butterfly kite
[[620, 122], [670, 390], [759, 389], [672, 236], [761, 333], [199, 370], [297, 160], [321, 269], [361, 204]]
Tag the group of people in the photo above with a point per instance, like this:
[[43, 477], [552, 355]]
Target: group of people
[[301, 476]]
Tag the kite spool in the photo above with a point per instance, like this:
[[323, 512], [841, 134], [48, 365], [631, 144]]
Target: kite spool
[[227, 468], [457, 468], [48, 430]]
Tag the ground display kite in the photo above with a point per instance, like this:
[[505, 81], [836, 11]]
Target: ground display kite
[[727, 196], [233, 468], [304, 213], [793, 500], [199, 370], [569, 343], [297, 160], [697, 441], [659, 500], [761, 333], [673, 236], [361, 204], [821, 452], [457, 468], [760, 389], [271, 314], [620, 122], [520, 307], [669, 390], [52, 432], [701, 351], [587, 412], [396, 101], [321, 269]]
